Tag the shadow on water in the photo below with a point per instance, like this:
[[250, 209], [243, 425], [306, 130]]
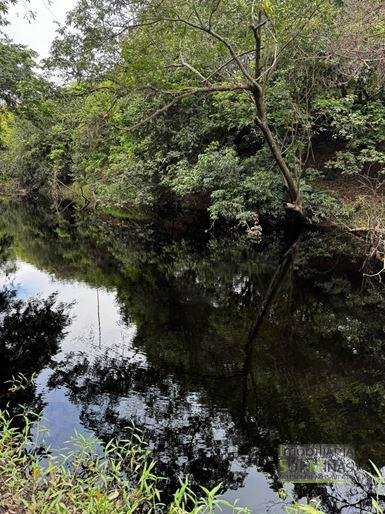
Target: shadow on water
[[239, 347]]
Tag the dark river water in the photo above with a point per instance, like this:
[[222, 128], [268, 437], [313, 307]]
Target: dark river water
[[220, 352]]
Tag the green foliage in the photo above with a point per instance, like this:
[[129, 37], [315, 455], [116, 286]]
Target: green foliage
[[321, 206], [129, 59], [136, 74], [5, 129], [238, 187], [37, 152], [18, 81], [118, 478], [361, 127], [4, 6]]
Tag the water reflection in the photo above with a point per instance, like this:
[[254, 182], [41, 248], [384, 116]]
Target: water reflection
[[30, 335], [219, 353]]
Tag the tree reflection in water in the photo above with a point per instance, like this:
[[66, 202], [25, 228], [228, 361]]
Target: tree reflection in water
[[30, 335], [244, 346]]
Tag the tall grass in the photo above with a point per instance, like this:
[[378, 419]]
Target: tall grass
[[88, 477], [91, 478]]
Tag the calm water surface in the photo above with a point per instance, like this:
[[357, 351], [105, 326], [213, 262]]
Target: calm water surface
[[219, 352]]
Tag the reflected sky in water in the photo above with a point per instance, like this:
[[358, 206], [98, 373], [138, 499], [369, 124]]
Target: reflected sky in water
[[60, 416], [219, 354]]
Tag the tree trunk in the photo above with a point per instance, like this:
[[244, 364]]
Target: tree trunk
[[263, 125], [277, 154]]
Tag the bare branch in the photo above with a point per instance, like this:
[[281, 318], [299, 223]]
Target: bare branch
[[300, 28], [210, 32], [196, 12], [194, 70], [258, 43], [218, 37], [186, 94], [222, 66], [213, 11], [273, 65]]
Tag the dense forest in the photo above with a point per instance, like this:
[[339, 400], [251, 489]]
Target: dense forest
[[247, 111]]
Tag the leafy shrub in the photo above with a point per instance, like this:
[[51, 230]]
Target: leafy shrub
[[239, 189]]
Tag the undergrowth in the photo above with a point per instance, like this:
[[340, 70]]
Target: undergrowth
[[88, 477]]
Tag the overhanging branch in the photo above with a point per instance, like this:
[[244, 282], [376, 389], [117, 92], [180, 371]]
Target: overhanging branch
[[186, 94]]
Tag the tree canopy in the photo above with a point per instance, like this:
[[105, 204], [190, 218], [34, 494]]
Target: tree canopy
[[234, 107]]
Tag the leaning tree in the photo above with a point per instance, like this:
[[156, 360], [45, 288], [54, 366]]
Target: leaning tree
[[198, 47]]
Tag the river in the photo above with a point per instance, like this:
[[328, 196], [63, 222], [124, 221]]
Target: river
[[219, 351]]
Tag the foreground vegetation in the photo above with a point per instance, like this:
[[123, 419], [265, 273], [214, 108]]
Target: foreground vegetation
[[118, 478]]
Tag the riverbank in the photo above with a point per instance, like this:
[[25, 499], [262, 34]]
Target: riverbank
[[361, 203], [88, 477], [362, 199]]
